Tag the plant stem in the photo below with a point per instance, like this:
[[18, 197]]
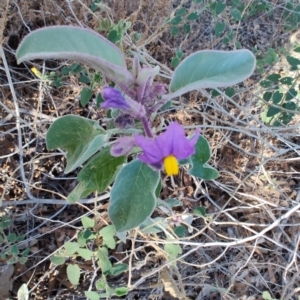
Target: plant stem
[[147, 128]]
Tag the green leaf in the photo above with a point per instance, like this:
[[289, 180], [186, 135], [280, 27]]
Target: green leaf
[[12, 237], [95, 5], [287, 80], [290, 94], [271, 56], [285, 118], [277, 97], [80, 44], [175, 62], [14, 250], [85, 253], [85, 96], [12, 260], [166, 106], [73, 273], [25, 252], [99, 100], [121, 291], [290, 105], [201, 211], [21, 237], [158, 189], [71, 248], [175, 30], [113, 36], [193, 16], [266, 295], [215, 93], [266, 83], [226, 40], [297, 49], [236, 14], [179, 53], [23, 293], [294, 62], [181, 11], [177, 20], [87, 222], [200, 168], [274, 77], [173, 250], [84, 79], [272, 111], [84, 237], [122, 236], [211, 69], [173, 202], [97, 174], [229, 91], [107, 234], [73, 69], [80, 137], [133, 195], [187, 28], [219, 28], [202, 154], [92, 295], [267, 96], [79, 192], [220, 6], [58, 260], [238, 45], [104, 261], [156, 225], [5, 222], [118, 269], [23, 260], [180, 231]]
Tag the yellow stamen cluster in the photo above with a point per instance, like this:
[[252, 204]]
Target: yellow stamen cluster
[[171, 165]]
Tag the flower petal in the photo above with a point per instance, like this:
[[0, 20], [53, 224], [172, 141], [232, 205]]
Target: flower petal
[[113, 99], [152, 155], [171, 139], [122, 146], [172, 142], [185, 148]]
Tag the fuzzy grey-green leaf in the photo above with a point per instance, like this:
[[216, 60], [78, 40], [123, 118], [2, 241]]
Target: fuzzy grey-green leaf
[[73, 273], [199, 160], [133, 195], [211, 69], [80, 44], [97, 174], [80, 137]]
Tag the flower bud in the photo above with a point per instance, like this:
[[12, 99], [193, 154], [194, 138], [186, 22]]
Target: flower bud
[[122, 146]]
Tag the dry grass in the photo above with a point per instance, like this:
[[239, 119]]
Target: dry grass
[[249, 241]]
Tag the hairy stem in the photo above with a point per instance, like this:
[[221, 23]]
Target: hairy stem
[[147, 128]]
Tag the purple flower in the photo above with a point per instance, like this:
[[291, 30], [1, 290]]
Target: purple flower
[[122, 146], [167, 148], [114, 99]]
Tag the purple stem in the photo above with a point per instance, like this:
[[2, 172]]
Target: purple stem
[[147, 128]]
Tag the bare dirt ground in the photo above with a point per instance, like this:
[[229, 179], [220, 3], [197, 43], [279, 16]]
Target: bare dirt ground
[[248, 244]]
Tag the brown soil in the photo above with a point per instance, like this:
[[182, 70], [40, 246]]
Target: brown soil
[[247, 244]]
